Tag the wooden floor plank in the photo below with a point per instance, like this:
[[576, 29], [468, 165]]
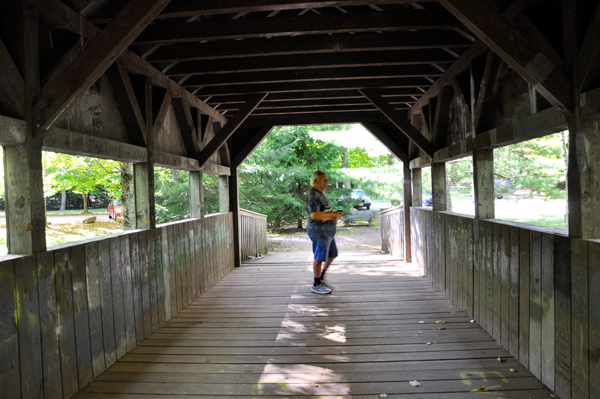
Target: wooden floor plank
[[380, 328]]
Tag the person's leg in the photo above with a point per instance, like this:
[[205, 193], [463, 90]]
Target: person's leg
[[320, 251], [332, 253]]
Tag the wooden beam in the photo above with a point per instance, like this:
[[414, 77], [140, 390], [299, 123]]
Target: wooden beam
[[305, 24], [162, 114], [94, 61], [399, 120], [312, 61], [191, 8], [60, 15], [483, 90], [318, 119], [127, 103], [590, 104], [12, 84], [441, 121], [387, 140], [60, 58], [394, 95], [211, 168], [12, 131], [588, 55], [250, 144], [516, 8], [303, 45], [230, 127], [186, 127], [506, 41], [350, 84], [313, 75]]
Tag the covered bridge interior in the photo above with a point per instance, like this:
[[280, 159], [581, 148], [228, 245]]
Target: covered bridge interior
[[196, 85]]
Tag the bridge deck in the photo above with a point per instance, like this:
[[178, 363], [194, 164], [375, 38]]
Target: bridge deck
[[259, 332]]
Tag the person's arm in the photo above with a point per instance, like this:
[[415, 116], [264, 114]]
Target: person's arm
[[326, 215]]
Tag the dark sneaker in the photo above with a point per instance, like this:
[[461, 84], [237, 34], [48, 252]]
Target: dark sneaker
[[320, 289]]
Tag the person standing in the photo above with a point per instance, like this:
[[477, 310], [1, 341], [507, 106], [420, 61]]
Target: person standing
[[321, 227]]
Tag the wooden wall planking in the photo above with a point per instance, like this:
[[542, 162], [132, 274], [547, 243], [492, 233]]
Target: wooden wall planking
[[392, 222], [69, 313], [544, 282]]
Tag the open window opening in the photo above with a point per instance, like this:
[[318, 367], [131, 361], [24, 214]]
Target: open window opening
[[363, 176], [459, 177], [171, 195], [84, 197], [211, 194], [427, 188], [530, 181]]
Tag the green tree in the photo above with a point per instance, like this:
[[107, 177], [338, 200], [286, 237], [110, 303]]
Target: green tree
[[82, 175], [171, 194]]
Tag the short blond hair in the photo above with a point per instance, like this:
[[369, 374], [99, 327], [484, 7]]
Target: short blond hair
[[316, 176]]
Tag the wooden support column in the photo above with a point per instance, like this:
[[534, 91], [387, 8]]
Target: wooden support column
[[23, 177], [483, 184], [407, 192], [438, 185], [223, 194], [196, 195], [584, 178], [417, 187], [143, 216], [234, 207]]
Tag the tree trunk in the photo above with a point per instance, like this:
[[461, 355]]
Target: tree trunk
[[127, 196], [346, 164], [85, 203], [63, 200], [565, 156]]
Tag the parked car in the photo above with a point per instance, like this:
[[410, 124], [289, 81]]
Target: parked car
[[427, 199], [115, 209], [364, 200]]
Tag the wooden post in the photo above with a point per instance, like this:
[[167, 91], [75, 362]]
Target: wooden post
[[438, 185], [23, 177], [234, 207], [143, 219], [417, 187], [584, 178], [196, 195], [407, 203], [483, 183], [223, 194]]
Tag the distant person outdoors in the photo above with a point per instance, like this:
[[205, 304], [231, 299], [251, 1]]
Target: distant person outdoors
[[322, 219]]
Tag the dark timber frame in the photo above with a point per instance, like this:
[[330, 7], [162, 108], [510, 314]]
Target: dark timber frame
[[198, 85]]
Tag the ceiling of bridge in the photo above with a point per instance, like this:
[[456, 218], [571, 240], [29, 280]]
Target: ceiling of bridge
[[312, 57]]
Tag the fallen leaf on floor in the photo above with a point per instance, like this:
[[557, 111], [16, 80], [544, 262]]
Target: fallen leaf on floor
[[440, 322], [500, 359], [421, 322], [553, 396], [429, 343], [419, 332], [416, 335], [259, 269], [441, 328], [454, 311], [383, 395], [472, 321], [513, 370], [415, 383], [482, 389]]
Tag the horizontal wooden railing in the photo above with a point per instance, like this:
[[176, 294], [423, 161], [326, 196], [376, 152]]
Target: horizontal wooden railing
[[69, 313], [253, 231], [534, 289], [392, 231]]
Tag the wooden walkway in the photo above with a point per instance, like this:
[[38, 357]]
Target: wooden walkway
[[260, 333]]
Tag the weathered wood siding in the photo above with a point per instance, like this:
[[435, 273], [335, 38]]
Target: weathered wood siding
[[534, 290], [69, 313], [253, 231], [392, 231]]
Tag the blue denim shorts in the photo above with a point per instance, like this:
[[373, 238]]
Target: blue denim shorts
[[324, 248]]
